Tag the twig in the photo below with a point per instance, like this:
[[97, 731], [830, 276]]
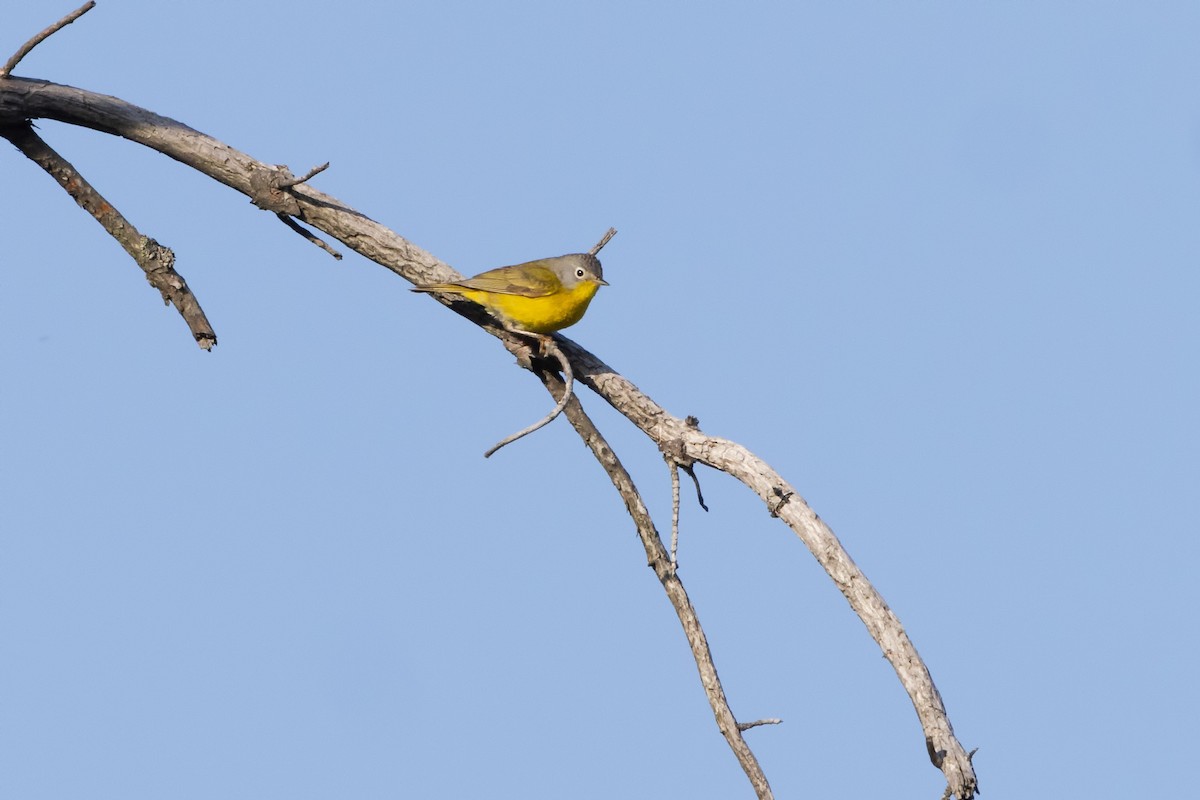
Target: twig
[[690, 470], [157, 261], [674, 452], [611, 232], [658, 560], [674, 467], [11, 64], [688, 464], [290, 182], [308, 235], [550, 347], [745, 726]]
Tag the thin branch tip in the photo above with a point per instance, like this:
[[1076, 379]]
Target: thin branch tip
[[551, 348], [308, 235], [745, 726], [293, 181], [691, 470], [25, 49], [673, 466], [605, 239], [156, 260]]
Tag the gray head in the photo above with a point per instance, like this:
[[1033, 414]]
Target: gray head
[[577, 268]]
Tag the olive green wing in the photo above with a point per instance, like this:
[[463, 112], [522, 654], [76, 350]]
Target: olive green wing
[[532, 279]]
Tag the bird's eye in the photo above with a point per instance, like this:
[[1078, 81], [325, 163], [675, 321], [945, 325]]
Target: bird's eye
[[579, 272]]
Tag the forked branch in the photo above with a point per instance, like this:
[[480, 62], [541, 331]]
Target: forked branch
[[782, 501], [664, 569], [549, 347], [23, 99]]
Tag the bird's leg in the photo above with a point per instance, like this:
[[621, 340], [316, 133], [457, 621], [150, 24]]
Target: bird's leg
[[542, 339]]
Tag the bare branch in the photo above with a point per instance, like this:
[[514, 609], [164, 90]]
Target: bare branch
[[688, 466], [308, 235], [22, 98], [690, 470], [12, 62], [676, 455], [270, 190], [659, 561], [605, 239], [745, 726], [674, 469], [549, 347], [157, 261], [946, 752], [289, 183]]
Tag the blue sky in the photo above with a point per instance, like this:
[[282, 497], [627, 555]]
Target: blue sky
[[935, 263]]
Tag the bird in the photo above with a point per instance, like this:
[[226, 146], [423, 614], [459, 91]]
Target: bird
[[537, 297]]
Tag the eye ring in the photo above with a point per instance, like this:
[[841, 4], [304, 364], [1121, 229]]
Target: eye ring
[[579, 272]]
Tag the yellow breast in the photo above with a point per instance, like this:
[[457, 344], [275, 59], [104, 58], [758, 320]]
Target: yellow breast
[[538, 314]]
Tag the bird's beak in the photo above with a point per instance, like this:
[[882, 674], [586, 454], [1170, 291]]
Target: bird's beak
[[601, 281]]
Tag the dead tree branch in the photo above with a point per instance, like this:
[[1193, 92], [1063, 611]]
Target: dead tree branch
[[549, 348], [605, 239], [290, 182], [22, 99], [26, 48], [157, 261], [658, 560], [784, 502], [308, 235]]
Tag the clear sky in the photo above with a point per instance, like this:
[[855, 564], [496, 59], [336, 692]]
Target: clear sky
[[936, 262]]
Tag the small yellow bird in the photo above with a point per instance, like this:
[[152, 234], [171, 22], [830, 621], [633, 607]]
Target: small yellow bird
[[540, 296]]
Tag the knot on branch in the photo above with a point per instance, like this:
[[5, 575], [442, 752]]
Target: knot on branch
[[675, 452], [159, 263], [269, 190], [778, 499]]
